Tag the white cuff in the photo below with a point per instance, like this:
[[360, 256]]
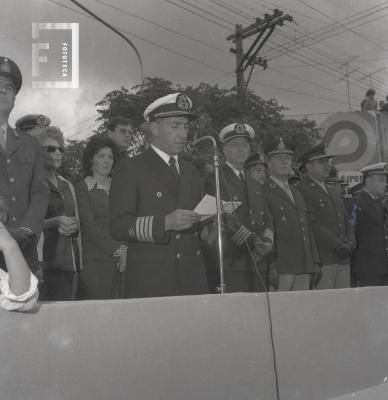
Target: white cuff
[[24, 301]]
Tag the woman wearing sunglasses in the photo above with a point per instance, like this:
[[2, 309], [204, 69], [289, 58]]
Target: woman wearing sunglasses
[[61, 247]]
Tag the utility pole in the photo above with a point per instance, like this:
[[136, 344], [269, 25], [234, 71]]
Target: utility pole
[[264, 28], [346, 76], [239, 57]]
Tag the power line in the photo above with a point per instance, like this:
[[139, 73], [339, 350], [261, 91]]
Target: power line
[[148, 41], [161, 26], [211, 66], [338, 22], [79, 123], [319, 52], [281, 89], [329, 63], [331, 30], [82, 131], [199, 15]]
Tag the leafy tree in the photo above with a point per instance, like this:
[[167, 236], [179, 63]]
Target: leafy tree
[[216, 108], [72, 160]]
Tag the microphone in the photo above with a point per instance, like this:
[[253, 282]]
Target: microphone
[[189, 146]]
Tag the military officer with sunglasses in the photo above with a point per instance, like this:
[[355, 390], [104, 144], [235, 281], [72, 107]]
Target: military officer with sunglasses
[[23, 186]]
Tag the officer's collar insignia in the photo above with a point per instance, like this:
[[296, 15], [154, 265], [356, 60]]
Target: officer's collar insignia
[[312, 184], [183, 102], [281, 145], [240, 129], [272, 185], [131, 232], [5, 67]]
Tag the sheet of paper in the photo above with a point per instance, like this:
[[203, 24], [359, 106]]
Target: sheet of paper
[[206, 208]]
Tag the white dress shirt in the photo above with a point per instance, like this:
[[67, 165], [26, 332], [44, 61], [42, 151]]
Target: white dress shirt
[[166, 157], [235, 170]]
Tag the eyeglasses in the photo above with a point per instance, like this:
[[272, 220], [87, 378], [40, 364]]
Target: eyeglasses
[[53, 149]]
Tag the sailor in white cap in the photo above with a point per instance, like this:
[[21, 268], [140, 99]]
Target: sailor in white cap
[[249, 230], [369, 216], [152, 198]]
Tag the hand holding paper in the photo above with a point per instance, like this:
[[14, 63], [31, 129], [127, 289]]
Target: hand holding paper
[[207, 208]]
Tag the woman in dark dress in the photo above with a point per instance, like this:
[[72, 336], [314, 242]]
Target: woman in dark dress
[[61, 245], [102, 255]]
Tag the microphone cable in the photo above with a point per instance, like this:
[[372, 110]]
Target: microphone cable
[[259, 276]]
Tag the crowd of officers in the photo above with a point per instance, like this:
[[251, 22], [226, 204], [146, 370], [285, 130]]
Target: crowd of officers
[[129, 229]]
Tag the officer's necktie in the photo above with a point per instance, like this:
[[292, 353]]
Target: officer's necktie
[[174, 169], [241, 176], [287, 189], [2, 138]]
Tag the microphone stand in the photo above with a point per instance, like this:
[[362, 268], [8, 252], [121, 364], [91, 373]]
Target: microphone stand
[[222, 286]]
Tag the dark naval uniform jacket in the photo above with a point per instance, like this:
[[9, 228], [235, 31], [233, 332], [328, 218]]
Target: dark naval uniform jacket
[[253, 216], [159, 263], [330, 221], [24, 181], [295, 248], [371, 227]]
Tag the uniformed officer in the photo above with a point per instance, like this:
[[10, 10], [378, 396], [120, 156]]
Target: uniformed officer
[[331, 223], [23, 180], [249, 232], [33, 124], [295, 257], [256, 167], [369, 215], [151, 201]]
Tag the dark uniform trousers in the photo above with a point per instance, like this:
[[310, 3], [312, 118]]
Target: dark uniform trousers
[[370, 259], [253, 218], [23, 185], [296, 255], [331, 224], [159, 263]]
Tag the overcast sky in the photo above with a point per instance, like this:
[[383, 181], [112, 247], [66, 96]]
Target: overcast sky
[[186, 43]]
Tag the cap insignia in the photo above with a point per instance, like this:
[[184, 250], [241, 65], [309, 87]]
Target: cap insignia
[[42, 120], [5, 67], [240, 129], [183, 102], [281, 145]]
